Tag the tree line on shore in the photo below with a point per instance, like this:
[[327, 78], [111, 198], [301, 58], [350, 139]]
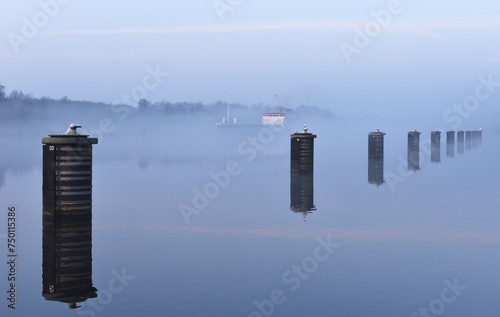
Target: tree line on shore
[[19, 105]]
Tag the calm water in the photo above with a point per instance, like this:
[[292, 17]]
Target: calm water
[[426, 240]]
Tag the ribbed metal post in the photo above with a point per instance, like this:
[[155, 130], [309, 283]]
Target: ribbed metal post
[[475, 139], [67, 171], [480, 138], [413, 150], [460, 141], [302, 172], [67, 217], [450, 143], [468, 140], [376, 157], [436, 146]]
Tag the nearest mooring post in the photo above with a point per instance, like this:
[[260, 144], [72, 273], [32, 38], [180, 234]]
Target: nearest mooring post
[[302, 172], [413, 150], [67, 217], [460, 141], [436, 146], [450, 143], [376, 157]]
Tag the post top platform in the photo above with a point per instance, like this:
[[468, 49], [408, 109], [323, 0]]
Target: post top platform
[[71, 136]]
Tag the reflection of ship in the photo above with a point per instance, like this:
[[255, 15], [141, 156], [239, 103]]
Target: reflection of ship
[[276, 117]]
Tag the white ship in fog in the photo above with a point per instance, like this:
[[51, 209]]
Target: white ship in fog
[[275, 117]]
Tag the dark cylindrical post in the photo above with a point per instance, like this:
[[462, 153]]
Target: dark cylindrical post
[[468, 140], [302, 172], [67, 217], [480, 138], [460, 141], [376, 157], [413, 150], [450, 143], [436, 146], [476, 139]]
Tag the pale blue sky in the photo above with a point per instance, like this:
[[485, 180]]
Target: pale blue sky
[[426, 59]]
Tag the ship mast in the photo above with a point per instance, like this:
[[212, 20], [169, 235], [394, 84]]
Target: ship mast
[[227, 106], [276, 104]]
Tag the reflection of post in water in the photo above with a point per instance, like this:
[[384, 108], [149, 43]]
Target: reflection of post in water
[[67, 218], [413, 150], [376, 157], [460, 141], [436, 146], [302, 172], [468, 140], [450, 143]]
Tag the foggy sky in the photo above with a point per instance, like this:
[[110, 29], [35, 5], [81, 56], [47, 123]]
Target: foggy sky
[[426, 58]]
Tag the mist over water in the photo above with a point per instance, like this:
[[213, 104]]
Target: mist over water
[[397, 242]]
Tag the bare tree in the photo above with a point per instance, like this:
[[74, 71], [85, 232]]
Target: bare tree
[[2, 92], [144, 105]]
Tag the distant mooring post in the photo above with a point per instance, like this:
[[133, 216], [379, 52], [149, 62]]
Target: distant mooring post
[[476, 138], [450, 143], [480, 138], [67, 217], [468, 140], [413, 150], [376, 157], [460, 141], [302, 172], [436, 146]]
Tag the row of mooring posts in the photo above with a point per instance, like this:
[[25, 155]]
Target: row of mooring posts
[[465, 140], [67, 209], [67, 218]]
